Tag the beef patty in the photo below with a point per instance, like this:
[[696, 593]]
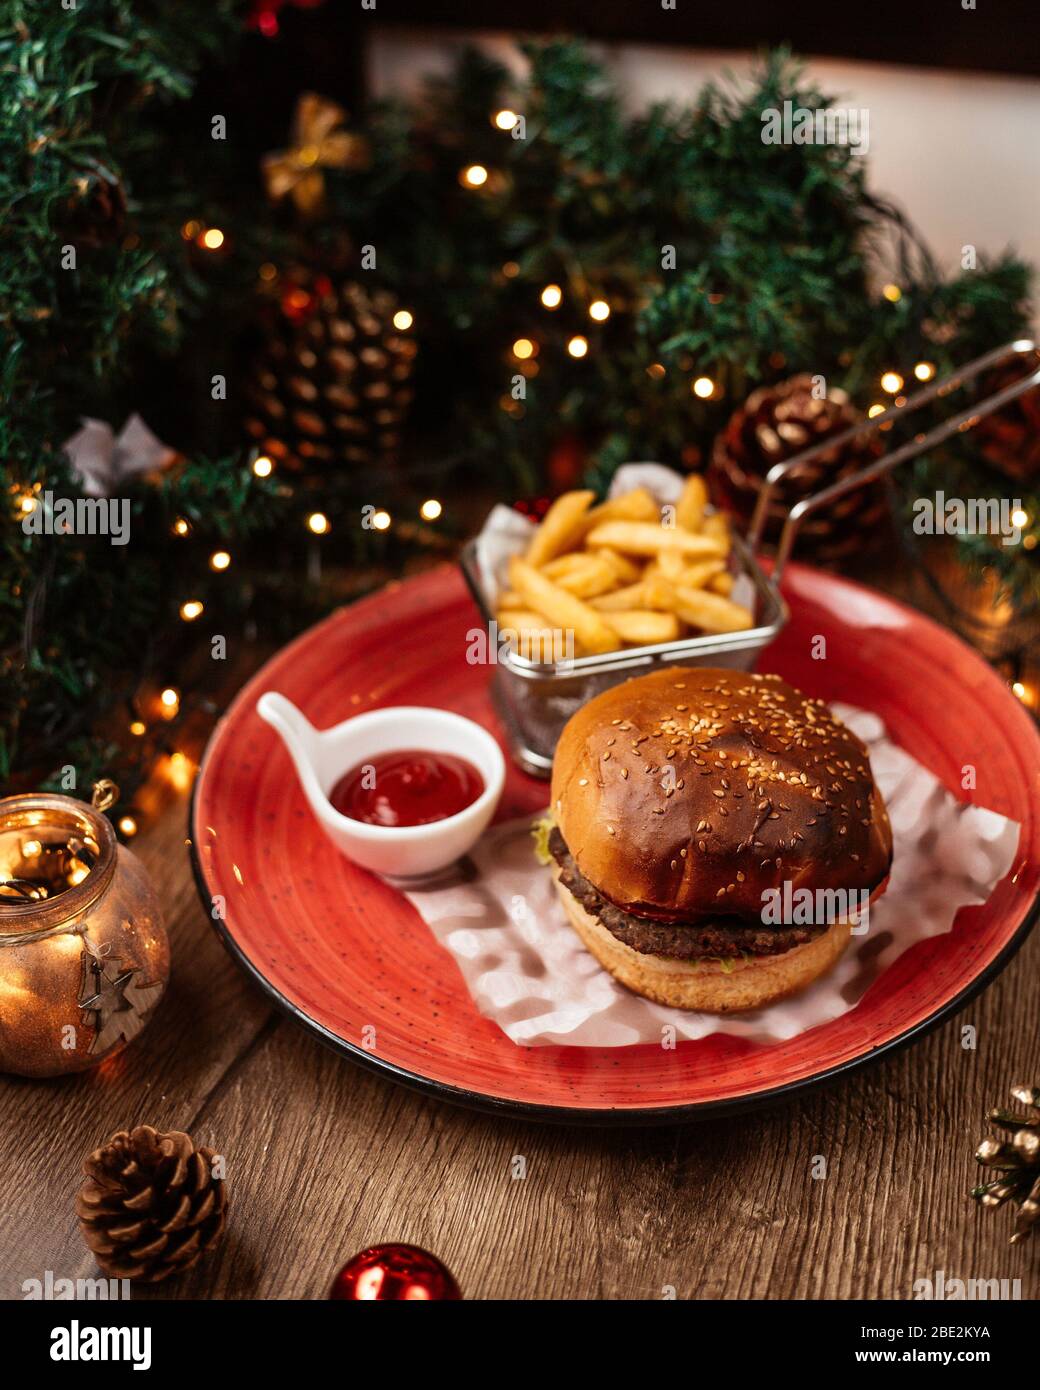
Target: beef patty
[[688, 941]]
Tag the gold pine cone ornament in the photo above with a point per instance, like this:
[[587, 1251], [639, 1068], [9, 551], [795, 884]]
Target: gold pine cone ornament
[[1016, 1158]]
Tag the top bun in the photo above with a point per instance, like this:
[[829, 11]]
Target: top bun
[[767, 787]]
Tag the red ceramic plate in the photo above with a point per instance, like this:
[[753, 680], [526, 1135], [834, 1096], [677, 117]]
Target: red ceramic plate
[[341, 951]]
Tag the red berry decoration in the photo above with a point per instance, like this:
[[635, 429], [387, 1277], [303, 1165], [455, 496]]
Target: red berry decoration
[[384, 1272]]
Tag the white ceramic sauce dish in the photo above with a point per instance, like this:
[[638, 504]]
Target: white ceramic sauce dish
[[322, 757]]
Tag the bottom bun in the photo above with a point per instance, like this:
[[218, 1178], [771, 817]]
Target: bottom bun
[[705, 985]]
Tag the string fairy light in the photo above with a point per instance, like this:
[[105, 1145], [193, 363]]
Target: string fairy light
[[170, 700], [524, 348], [127, 826], [263, 466], [473, 176], [578, 346], [924, 371], [891, 382], [892, 293], [219, 560], [552, 296], [318, 523], [191, 610], [703, 386], [430, 509], [381, 520], [599, 310], [403, 320], [212, 239], [504, 119], [180, 771]]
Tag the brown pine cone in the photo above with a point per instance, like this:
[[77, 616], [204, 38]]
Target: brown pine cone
[[774, 424], [1010, 437], [151, 1204], [330, 383]]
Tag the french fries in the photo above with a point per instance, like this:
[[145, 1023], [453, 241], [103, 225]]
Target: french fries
[[560, 527], [644, 538], [689, 514], [598, 578], [562, 609]]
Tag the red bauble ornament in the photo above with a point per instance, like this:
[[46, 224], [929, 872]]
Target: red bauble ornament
[[385, 1272], [534, 508], [567, 461]]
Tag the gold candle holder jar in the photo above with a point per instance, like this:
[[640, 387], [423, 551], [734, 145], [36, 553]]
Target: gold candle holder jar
[[84, 958]]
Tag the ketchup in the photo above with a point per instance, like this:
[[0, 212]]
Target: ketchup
[[407, 787]]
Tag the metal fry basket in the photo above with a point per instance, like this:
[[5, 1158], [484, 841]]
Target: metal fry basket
[[536, 699]]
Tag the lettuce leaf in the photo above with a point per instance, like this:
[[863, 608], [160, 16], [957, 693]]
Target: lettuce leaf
[[540, 833]]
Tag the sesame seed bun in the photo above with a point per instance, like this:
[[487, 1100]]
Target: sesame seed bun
[[684, 799], [766, 786]]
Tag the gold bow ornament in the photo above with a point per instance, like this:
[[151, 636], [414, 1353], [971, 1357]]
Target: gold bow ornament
[[318, 142]]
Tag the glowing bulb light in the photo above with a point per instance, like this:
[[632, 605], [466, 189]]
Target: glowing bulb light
[[474, 176], [403, 320], [430, 509], [137, 728], [318, 522], [892, 293], [505, 119], [1019, 689], [523, 348], [599, 310], [876, 410], [179, 770], [891, 382], [578, 346], [180, 527], [381, 521], [1019, 517], [263, 467], [127, 826], [703, 387], [924, 371], [212, 239], [552, 295], [219, 560], [170, 699], [191, 610]]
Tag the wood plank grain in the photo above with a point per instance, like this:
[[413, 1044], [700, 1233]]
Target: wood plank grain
[[208, 1018], [324, 1159]]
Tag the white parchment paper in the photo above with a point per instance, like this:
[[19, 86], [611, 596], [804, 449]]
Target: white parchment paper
[[528, 971]]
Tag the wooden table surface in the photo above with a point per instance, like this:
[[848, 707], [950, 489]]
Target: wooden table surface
[[324, 1159]]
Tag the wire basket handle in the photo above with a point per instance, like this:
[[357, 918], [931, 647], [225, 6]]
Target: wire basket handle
[[964, 420]]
